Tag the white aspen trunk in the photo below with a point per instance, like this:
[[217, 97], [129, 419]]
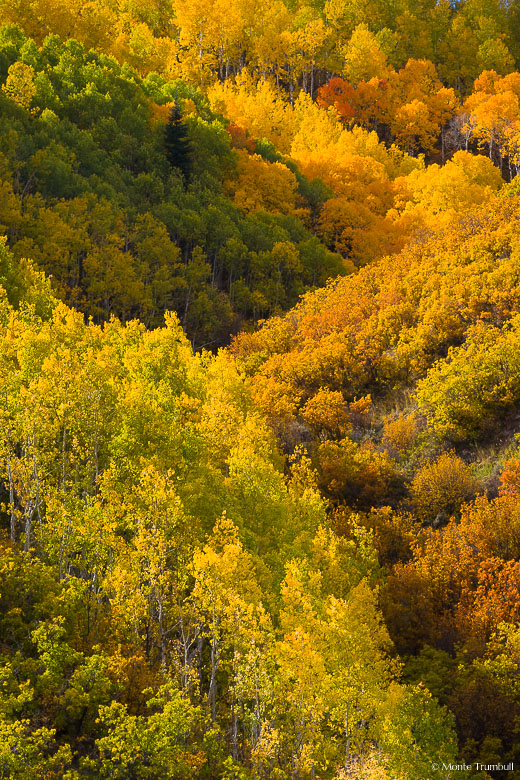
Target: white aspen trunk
[[347, 740], [63, 456], [11, 499], [214, 656]]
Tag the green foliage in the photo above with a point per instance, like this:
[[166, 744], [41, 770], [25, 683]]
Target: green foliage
[[199, 542], [479, 382], [420, 734], [172, 742], [30, 754], [256, 635], [175, 141], [23, 285], [132, 196]]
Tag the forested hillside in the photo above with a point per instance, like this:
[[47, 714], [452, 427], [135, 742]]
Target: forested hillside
[[259, 390]]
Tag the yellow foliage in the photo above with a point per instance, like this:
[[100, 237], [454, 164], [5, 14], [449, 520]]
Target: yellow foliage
[[491, 114], [466, 180], [263, 186], [363, 57], [442, 486], [360, 409], [255, 105], [355, 474], [400, 433], [19, 85], [327, 411], [278, 400]]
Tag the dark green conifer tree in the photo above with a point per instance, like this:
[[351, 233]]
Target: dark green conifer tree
[[177, 143]]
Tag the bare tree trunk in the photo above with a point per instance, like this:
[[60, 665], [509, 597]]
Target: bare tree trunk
[[186, 308], [63, 456], [347, 740], [64, 544], [37, 480], [214, 655], [234, 721], [29, 512], [96, 455], [11, 498]]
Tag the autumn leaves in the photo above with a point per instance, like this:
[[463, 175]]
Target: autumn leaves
[[167, 642]]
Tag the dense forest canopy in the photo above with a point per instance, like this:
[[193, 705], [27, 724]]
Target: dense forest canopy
[[259, 389]]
